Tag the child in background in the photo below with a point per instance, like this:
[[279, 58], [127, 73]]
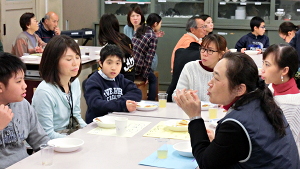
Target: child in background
[[256, 40], [107, 90], [144, 47], [24, 125]]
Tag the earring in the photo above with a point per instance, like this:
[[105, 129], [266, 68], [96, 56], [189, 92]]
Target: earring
[[281, 78]]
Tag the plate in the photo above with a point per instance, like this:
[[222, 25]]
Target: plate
[[37, 54], [184, 149], [205, 105], [251, 52], [30, 57], [174, 125], [214, 122], [146, 106], [105, 121], [66, 144]]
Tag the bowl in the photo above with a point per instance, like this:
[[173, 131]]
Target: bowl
[[146, 106], [251, 52], [66, 144], [184, 149], [176, 125], [105, 121]]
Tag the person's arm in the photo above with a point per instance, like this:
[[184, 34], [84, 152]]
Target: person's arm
[[267, 43], [229, 146], [240, 44], [77, 95], [6, 116], [44, 104], [149, 56], [37, 135], [183, 81], [21, 47], [41, 43]]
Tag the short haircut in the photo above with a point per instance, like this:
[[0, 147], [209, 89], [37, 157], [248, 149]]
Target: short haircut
[[191, 23], [111, 50], [25, 20], [218, 40], [9, 65], [55, 49], [137, 9], [255, 22]]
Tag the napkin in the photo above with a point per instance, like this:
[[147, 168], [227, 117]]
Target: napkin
[[174, 160]]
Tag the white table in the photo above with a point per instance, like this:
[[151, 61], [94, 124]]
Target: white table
[[99, 151], [172, 111]]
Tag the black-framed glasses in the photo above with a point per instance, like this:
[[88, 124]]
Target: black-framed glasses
[[209, 51], [263, 27]]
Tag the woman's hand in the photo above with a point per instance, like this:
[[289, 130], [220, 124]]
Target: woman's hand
[[210, 134], [189, 102], [131, 105], [39, 49]]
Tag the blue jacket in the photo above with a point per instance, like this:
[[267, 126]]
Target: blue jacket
[[104, 96], [267, 149], [295, 42], [43, 33], [252, 42]]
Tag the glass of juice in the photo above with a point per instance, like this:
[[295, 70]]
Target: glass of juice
[[162, 100], [213, 111], [162, 151]]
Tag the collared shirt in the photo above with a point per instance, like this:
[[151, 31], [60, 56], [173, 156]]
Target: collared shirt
[[144, 51], [104, 76], [199, 40]]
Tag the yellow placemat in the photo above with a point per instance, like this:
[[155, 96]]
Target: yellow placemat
[[133, 127], [161, 130]]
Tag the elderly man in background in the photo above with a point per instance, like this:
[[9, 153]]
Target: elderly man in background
[[196, 30], [48, 27]]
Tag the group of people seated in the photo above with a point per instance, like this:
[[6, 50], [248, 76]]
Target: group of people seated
[[262, 123]]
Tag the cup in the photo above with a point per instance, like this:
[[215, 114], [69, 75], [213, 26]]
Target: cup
[[213, 111], [162, 151], [233, 50], [162, 100], [121, 125], [25, 54], [47, 152]]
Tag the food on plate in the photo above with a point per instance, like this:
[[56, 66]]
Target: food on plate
[[146, 106], [205, 105], [97, 119], [182, 123]]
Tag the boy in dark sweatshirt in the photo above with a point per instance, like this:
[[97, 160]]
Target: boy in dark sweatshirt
[[24, 125], [255, 40], [107, 90]]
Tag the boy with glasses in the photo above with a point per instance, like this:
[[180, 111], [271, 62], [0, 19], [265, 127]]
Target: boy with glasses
[[256, 40]]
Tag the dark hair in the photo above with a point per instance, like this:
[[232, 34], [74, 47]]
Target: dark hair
[[152, 18], [137, 9], [9, 65], [255, 22], [54, 50], [204, 17], [109, 32], [286, 27], [111, 50], [284, 56], [191, 23], [25, 20], [241, 69], [219, 40]]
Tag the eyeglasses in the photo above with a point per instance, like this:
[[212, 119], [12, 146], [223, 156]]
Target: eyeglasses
[[203, 27], [263, 27], [209, 51]]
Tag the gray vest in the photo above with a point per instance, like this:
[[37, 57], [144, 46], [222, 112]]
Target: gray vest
[[267, 149]]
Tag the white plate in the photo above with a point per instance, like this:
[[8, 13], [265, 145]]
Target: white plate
[[173, 125], [146, 106], [251, 52], [105, 121], [66, 144], [205, 105], [184, 149], [30, 57]]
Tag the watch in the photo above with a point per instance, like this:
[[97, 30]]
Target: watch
[[196, 117]]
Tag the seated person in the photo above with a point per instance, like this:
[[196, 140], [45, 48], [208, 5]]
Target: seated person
[[57, 97], [182, 56], [196, 74], [253, 134], [18, 120], [107, 90], [28, 41], [255, 40], [48, 27], [279, 69]]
